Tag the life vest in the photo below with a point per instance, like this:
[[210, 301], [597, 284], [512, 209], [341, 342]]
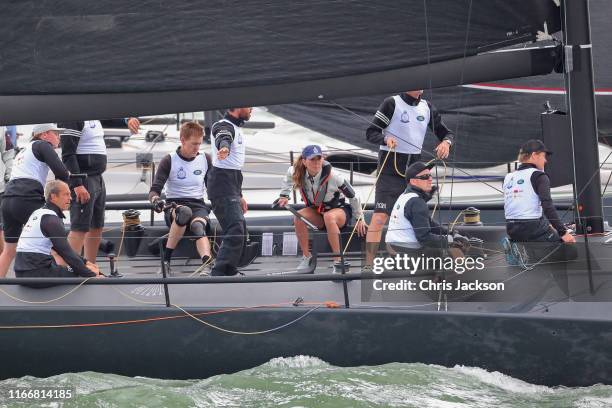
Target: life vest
[[318, 203], [186, 178], [521, 202]]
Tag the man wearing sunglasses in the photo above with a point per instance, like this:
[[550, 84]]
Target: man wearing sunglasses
[[410, 226]]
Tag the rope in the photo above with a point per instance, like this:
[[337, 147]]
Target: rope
[[441, 186], [203, 266], [452, 225], [248, 333], [365, 203], [42, 302], [318, 305], [127, 222]]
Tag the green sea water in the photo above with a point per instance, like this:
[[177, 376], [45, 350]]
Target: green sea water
[[309, 382]]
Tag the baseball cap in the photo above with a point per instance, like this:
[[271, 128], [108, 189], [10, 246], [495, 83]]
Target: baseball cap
[[415, 168], [311, 151], [534, 146], [44, 127]]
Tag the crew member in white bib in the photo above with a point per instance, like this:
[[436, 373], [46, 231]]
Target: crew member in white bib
[[84, 151], [527, 198], [400, 124], [7, 153], [225, 187], [183, 173], [45, 232], [24, 192], [411, 229]]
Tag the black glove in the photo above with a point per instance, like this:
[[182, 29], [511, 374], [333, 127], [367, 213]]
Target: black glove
[[460, 238], [158, 204], [458, 241]]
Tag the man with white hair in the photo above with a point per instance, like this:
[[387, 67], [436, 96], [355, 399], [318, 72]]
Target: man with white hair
[[43, 233]]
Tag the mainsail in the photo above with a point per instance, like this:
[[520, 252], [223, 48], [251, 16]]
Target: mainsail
[[507, 110], [74, 59]]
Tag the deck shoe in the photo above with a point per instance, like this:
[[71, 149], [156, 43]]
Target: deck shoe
[[204, 269], [305, 265]]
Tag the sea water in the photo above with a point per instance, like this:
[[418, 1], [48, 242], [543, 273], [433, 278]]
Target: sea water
[[309, 382]]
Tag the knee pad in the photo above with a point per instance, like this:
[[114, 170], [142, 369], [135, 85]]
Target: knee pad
[[182, 215], [198, 228]]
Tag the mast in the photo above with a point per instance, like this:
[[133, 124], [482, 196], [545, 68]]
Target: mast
[[580, 97]]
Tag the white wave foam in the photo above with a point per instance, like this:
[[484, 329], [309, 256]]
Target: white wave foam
[[594, 402], [503, 381], [299, 361]]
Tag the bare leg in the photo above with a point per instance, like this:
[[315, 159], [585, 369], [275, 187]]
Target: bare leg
[[374, 235], [92, 242], [333, 220], [301, 230], [76, 240], [202, 244], [7, 257], [175, 235], [1, 241], [58, 259]]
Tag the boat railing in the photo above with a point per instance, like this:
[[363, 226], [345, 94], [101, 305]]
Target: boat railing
[[140, 202], [343, 279]]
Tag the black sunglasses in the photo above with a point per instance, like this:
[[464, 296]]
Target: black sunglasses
[[423, 177]]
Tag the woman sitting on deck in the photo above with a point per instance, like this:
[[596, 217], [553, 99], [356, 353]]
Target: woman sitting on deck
[[183, 173], [322, 191]]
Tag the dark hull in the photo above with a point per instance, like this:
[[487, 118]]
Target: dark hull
[[538, 335], [537, 349]]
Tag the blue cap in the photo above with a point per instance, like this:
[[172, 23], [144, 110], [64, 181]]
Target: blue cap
[[311, 151]]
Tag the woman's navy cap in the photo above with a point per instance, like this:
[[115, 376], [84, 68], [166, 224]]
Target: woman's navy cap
[[311, 151]]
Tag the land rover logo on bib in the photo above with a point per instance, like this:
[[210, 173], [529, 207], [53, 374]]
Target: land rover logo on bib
[[521, 181], [197, 172], [420, 118], [405, 118]]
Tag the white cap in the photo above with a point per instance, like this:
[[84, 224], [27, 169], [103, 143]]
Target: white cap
[[45, 127]]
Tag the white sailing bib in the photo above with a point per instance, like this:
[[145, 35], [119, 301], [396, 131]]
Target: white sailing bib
[[408, 125]]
